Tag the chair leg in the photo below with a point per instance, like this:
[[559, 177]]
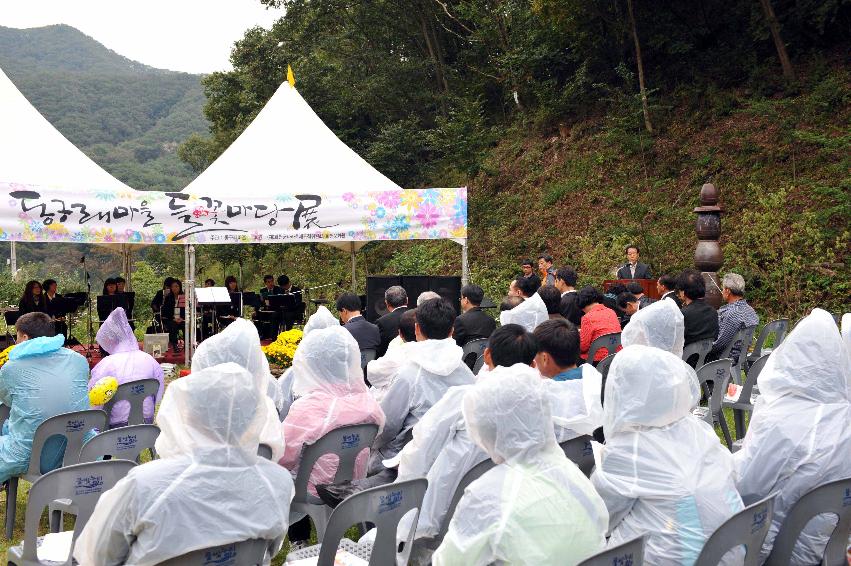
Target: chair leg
[[56, 521], [739, 421], [11, 506], [320, 514], [722, 422]]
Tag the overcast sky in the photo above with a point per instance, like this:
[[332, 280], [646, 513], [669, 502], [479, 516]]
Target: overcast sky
[[195, 36]]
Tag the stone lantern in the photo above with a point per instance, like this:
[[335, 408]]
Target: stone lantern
[[708, 257]]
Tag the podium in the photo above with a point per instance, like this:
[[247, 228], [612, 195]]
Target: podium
[[649, 286]]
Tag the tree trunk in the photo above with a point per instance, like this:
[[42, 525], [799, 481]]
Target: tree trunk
[[774, 26], [438, 71], [640, 64]]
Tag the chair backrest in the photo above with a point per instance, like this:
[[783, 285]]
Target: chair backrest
[[264, 451], [748, 527], [126, 443], [695, 353], [603, 367], [630, 552], [134, 392], [346, 442], [384, 507], [752, 378], [367, 356], [472, 475], [834, 498], [608, 341], [578, 450], [245, 553], [81, 484], [740, 342], [480, 361], [778, 328], [718, 372], [73, 427], [473, 350]]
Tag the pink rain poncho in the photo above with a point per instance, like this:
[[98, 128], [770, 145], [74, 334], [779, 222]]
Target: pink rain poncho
[[125, 362], [330, 393]]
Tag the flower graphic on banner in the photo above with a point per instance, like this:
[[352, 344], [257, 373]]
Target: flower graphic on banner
[[431, 196], [159, 238], [411, 200], [104, 195], [460, 212], [349, 198], [389, 199], [428, 215]]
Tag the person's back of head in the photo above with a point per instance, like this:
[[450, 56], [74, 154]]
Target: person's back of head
[[434, 319], [528, 285], [734, 283], [396, 297], [568, 275], [349, 302], [616, 289], [115, 334], [509, 303], [625, 300], [669, 282], [559, 339], [238, 343], [551, 297], [322, 318], [588, 296], [408, 325], [511, 344], [328, 360], [426, 296], [659, 325], [35, 325], [635, 288], [473, 293], [283, 281], [691, 283]]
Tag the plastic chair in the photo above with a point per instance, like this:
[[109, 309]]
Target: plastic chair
[[245, 553], [473, 350], [578, 450], [718, 372], [697, 351], [383, 506], [603, 367], [73, 427], [610, 342], [748, 527], [264, 451], [135, 393], [346, 443], [472, 475], [742, 340], [630, 552], [834, 498], [744, 404], [367, 356], [480, 361], [81, 485], [126, 443], [777, 327]]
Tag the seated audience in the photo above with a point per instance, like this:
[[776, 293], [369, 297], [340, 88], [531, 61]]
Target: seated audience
[[509, 302], [558, 351], [660, 325], [552, 301], [426, 296], [597, 321], [565, 282], [330, 393], [799, 435], [667, 289], [364, 332], [735, 315], [381, 372], [629, 305], [535, 505], [610, 299], [208, 487], [125, 362], [532, 311], [662, 472], [396, 300], [701, 320], [636, 289], [474, 323], [239, 343], [41, 380]]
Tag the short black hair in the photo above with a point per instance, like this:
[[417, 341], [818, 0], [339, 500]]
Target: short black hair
[[167, 282], [528, 285], [546, 257], [616, 289], [349, 302], [625, 298], [36, 325], [212, 283], [691, 283], [509, 303], [47, 283], [560, 339], [526, 261], [283, 280], [669, 282], [436, 317], [122, 280], [474, 294], [551, 297], [512, 344], [588, 296], [635, 288], [630, 247], [568, 275], [407, 325], [268, 278]]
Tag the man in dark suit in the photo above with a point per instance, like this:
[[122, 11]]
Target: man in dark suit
[[666, 286], [293, 305], [474, 323], [396, 299], [633, 269], [700, 319], [565, 282], [364, 332]]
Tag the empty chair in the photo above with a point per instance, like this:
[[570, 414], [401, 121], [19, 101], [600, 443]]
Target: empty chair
[[695, 353], [471, 476], [135, 393], [578, 450], [82, 485], [603, 368], [743, 404], [382, 506], [718, 373], [126, 443], [778, 328], [246, 553], [610, 342], [473, 350], [832, 498], [264, 451], [740, 343], [480, 361], [629, 553], [73, 427], [746, 528]]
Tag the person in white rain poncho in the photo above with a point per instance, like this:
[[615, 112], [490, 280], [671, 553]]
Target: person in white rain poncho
[[662, 472], [800, 433], [660, 325], [535, 506], [381, 372], [528, 314], [239, 343], [208, 488]]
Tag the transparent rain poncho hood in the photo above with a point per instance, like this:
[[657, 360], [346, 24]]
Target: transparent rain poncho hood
[[659, 325], [115, 335], [799, 436], [328, 359], [528, 314], [535, 506], [662, 472], [322, 318]]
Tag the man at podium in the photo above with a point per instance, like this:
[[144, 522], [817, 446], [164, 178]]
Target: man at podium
[[633, 269]]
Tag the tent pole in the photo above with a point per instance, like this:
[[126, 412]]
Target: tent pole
[[465, 266], [354, 270], [186, 324], [13, 260]]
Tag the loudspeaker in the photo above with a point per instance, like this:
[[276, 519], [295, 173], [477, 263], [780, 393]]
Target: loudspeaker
[[448, 287], [375, 287]]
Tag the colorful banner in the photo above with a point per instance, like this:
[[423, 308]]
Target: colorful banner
[[35, 214]]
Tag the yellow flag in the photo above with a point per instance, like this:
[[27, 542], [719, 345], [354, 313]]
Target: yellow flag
[[290, 76]]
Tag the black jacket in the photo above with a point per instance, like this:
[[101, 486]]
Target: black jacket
[[472, 325], [569, 310], [388, 328], [641, 271], [701, 322], [673, 296], [364, 332]]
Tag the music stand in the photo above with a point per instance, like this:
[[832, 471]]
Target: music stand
[[108, 303], [71, 303], [250, 299], [214, 297]]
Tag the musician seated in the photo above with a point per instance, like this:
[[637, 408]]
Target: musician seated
[[267, 319], [120, 284], [207, 311], [174, 314], [32, 300], [292, 311], [55, 306], [104, 308], [157, 303], [234, 311]]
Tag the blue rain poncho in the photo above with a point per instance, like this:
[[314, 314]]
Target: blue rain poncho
[[41, 379]]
